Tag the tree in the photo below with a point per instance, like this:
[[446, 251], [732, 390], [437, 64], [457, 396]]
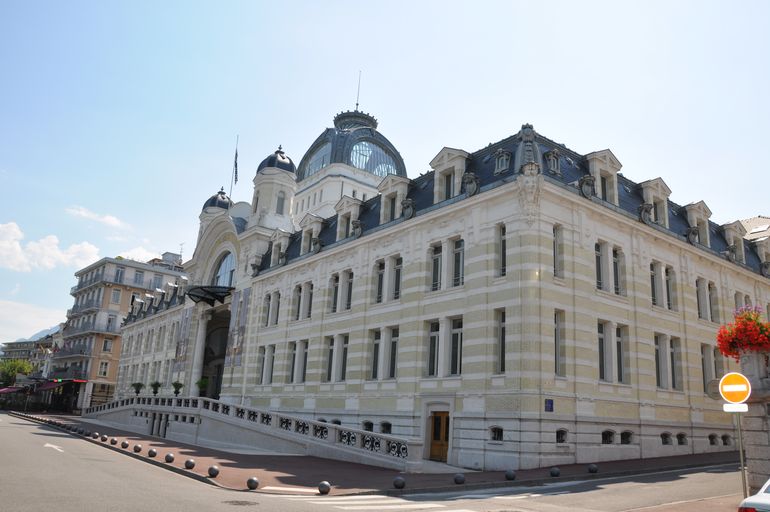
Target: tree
[[10, 367]]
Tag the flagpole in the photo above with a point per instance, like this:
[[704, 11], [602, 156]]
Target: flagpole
[[233, 177]]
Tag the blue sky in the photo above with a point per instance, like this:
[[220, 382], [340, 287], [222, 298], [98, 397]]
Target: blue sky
[[118, 119]]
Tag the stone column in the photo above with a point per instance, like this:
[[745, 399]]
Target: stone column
[[200, 345]]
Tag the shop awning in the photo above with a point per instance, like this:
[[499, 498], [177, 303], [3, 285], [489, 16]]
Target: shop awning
[[49, 385], [10, 390]]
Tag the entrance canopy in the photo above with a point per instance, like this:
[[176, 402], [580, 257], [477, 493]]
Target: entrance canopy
[[209, 293], [10, 390], [49, 385]]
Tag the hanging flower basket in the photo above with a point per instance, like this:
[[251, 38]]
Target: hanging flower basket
[[748, 333]]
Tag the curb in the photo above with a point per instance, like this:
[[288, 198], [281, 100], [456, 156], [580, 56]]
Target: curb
[[533, 482]]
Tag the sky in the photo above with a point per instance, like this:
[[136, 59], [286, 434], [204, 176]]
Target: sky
[[119, 119]]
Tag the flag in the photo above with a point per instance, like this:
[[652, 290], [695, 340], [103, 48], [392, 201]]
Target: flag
[[235, 166]]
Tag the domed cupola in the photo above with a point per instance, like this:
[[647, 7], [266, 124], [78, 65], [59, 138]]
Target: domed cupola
[[278, 160], [218, 200], [353, 141]]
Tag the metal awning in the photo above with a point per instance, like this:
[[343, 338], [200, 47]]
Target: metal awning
[[209, 293], [10, 390], [46, 386]]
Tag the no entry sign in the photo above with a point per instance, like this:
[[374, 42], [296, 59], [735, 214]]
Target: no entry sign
[[735, 387]]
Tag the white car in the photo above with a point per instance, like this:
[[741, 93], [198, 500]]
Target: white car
[[760, 502]]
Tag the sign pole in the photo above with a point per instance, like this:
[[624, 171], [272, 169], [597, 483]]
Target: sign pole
[[740, 453]]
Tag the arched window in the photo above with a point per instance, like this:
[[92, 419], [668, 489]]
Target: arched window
[[726, 440], [320, 159], [681, 438], [225, 271], [665, 438], [608, 437], [372, 158], [561, 436], [713, 440], [279, 205]]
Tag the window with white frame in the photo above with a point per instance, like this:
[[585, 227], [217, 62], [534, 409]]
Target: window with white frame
[[456, 347], [501, 250], [393, 353], [344, 358], [458, 263], [501, 345], [559, 345], [374, 358], [335, 293], [558, 250], [432, 367], [397, 264], [115, 299], [435, 267], [379, 269], [329, 358], [502, 161], [622, 356], [104, 367]]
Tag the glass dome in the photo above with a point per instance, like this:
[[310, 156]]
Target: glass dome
[[353, 141]]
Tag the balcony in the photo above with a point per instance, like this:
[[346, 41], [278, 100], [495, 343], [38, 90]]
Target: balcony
[[79, 309], [76, 351], [67, 373], [147, 283], [96, 327]]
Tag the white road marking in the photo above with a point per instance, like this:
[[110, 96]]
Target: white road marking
[[404, 506], [49, 445], [735, 387], [291, 489]]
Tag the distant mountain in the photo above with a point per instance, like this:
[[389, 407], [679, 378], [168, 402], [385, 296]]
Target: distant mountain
[[41, 334]]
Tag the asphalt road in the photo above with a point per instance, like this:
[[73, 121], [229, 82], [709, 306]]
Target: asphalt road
[[43, 469]]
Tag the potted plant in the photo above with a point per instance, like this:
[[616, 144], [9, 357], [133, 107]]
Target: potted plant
[[137, 387], [202, 384], [155, 387], [747, 340], [177, 387]]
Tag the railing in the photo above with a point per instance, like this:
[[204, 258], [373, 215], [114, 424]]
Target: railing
[[91, 327], [363, 441], [148, 283], [67, 373], [79, 308], [77, 350]]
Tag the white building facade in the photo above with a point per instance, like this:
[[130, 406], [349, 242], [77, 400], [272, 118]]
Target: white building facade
[[517, 307]]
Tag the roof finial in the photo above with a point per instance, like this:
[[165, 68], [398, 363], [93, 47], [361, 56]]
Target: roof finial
[[280, 148], [358, 92]]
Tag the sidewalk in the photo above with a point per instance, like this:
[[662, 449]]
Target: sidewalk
[[300, 475]]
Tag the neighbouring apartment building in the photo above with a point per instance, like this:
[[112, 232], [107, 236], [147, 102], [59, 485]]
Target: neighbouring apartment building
[[518, 306], [85, 365]]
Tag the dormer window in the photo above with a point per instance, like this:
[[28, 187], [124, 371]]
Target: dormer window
[[307, 237], [275, 256], [655, 192], [343, 226], [604, 168], [698, 218], [553, 162], [502, 161]]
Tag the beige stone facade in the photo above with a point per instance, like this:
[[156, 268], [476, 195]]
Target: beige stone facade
[[517, 321]]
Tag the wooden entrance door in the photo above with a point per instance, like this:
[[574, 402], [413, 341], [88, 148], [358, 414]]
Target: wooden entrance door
[[439, 435]]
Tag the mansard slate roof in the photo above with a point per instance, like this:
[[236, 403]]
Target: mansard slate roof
[[482, 163]]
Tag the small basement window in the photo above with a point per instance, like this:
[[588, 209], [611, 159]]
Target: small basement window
[[561, 436], [626, 437], [496, 434], [681, 438], [608, 437], [665, 438]]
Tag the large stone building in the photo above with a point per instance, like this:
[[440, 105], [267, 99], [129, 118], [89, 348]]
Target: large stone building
[[519, 306], [86, 363]]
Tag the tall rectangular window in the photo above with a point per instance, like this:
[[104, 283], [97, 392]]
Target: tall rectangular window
[[435, 267], [303, 370], [297, 302], [448, 185], [433, 341], [392, 357], [674, 348], [139, 277], [705, 365], [397, 278], [375, 354], [380, 281], [713, 300], [120, 272], [344, 362], [266, 310], [261, 365], [501, 352], [392, 211], [456, 351], [621, 354], [558, 251], [653, 285], [598, 256], [329, 358], [602, 352], [157, 281], [292, 360], [270, 364], [559, 346], [104, 367], [458, 261], [617, 270], [335, 292], [115, 299], [309, 300], [719, 364], [349, 291], [502, 250], [669, 287], [658, 362], [699, 290]]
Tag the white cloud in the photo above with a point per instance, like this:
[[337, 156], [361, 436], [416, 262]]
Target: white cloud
[[41, 254], [15, 290], [117, 238], [107, 220], [19, 320], [139, 254]]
